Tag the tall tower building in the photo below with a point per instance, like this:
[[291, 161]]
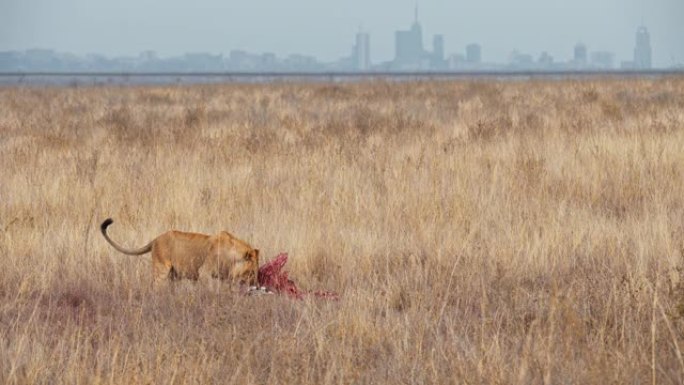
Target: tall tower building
[[474, 53], [438, 48], [437, 61], [409, 51], [362, 51], [580, 54], [642, 51]]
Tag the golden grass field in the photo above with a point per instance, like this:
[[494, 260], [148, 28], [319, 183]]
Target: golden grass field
[[515, 232]]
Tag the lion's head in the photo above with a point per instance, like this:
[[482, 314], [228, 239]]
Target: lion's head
[[245, 271]]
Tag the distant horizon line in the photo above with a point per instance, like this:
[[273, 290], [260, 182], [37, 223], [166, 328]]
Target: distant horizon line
[[352, 74]]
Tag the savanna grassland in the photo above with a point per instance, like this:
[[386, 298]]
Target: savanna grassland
[[477, 232]]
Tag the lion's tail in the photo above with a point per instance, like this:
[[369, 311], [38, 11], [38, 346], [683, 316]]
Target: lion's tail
[[145, 249]]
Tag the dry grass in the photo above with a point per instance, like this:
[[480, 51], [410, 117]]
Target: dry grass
[[478, 232]]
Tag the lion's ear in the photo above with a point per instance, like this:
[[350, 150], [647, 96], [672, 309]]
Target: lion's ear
[[252, 255]]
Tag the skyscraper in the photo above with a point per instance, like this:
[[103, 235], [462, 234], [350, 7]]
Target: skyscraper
[[580, 56], [438, 61], [362, 51], [438, 48], [409, 51], [642, 51], [474, 53]]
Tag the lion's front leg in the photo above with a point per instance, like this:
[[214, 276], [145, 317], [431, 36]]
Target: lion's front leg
[[208, 278]]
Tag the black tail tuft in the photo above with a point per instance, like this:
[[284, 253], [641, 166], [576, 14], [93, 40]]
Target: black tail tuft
[[106, 224]]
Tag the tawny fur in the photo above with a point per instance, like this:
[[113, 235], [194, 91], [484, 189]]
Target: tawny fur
[[178, 255]]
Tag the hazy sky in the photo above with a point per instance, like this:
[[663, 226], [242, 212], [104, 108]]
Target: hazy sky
[[326, 28]]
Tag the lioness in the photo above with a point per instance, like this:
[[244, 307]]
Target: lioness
[[177, 255]]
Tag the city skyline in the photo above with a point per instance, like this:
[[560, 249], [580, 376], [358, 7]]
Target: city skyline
[[326, 30], [410, 55]]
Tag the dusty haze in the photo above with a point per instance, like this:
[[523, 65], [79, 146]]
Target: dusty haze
[[326, 29]]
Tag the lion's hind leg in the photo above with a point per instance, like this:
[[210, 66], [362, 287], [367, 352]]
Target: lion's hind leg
[[162, 273]]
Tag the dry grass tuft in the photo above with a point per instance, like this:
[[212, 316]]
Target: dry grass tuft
[[478, 232]]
